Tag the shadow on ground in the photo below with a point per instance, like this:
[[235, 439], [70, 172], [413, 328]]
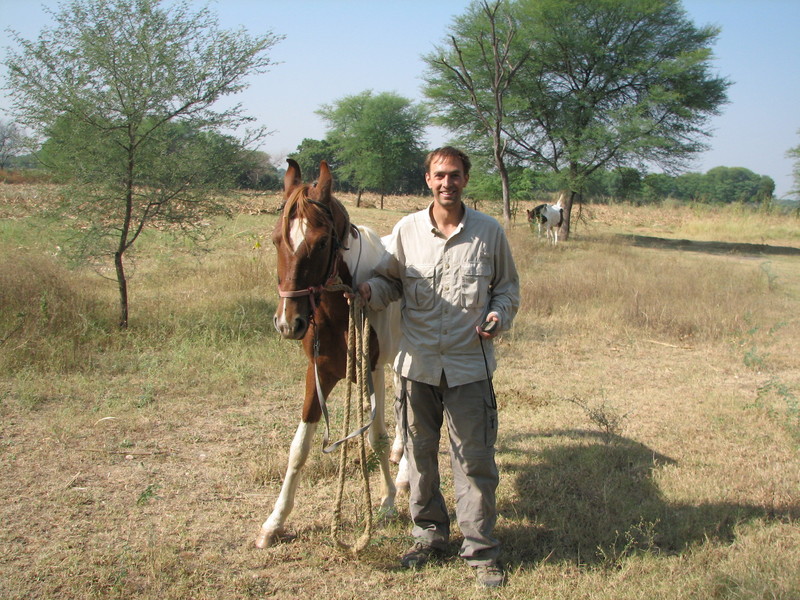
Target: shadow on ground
[[594, 501], [710, 247]]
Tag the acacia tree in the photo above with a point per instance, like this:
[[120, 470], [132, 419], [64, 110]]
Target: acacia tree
[[125, 90], [10, 142], [795, 154], [375, 138], [612, 83], [469, 78]]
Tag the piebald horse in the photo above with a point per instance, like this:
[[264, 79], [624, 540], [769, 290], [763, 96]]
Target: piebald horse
[[549, 217], [317, 246]]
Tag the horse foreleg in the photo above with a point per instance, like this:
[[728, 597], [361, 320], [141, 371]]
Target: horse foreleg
[[273, 527]]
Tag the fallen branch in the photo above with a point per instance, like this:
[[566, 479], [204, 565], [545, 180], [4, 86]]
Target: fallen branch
[[129, 452], [669, 345]]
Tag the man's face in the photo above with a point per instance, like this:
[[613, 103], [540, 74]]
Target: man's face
[[447, 180]]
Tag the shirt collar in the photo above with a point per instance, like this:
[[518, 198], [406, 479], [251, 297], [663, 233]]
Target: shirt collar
[[459, 228]]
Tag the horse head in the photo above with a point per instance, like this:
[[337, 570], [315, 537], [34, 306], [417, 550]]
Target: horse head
[[308, 237]]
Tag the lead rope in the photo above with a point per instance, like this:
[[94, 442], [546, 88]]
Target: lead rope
[[357, 371]]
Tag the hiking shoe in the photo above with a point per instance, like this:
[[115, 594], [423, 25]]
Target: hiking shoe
[[489, 575], [418, 555]]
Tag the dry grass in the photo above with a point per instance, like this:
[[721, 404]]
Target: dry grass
[[649, 441]]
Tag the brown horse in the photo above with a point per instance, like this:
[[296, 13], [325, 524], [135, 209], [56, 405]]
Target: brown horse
[[318, 250]]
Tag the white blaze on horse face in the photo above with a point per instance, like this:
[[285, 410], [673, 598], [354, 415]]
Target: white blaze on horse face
[[297, 233]]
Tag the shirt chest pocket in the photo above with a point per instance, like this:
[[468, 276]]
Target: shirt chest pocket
[[475, 281], [420, 287]]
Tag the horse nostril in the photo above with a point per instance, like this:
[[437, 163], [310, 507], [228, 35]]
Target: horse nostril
[[300, 326]]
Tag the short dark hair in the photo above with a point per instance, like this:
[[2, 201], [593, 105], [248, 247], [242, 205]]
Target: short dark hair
[[448, 152]]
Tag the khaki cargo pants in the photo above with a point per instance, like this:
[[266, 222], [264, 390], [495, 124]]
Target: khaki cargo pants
[[471, 414]]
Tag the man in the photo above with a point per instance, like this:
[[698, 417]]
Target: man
[[453, 267]]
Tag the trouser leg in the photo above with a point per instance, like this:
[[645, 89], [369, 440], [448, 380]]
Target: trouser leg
[[423, 418], [472, 424]]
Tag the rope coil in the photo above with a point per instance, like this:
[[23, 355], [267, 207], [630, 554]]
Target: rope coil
[[358, 372]]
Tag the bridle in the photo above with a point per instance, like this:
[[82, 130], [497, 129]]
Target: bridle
[[333, 272]]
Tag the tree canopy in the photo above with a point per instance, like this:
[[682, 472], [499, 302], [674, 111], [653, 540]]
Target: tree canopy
[[469, 79], [597, 84], [124, 91], [377, 139]]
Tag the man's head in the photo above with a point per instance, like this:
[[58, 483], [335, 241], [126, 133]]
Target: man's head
[[447, 174]]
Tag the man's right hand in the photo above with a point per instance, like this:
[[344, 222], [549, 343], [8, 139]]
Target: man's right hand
[[365, 291]]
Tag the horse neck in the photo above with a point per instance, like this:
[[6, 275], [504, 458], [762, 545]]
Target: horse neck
[[331, 320]]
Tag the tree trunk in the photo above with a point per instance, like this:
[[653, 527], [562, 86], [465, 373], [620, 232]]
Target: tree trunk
[[358, 197], [506, 193], [122, 284], [569, 202], [122, 281], [501, 167]]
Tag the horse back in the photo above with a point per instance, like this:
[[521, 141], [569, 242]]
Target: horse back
[[362, 256]]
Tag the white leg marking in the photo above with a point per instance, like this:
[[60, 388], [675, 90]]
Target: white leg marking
[[273, 527], [379, 441], [401, 481]]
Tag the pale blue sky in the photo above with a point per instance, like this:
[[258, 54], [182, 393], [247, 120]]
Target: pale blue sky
[[337, 48]]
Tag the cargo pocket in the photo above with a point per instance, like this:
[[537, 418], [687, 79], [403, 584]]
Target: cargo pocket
[[475, 276], [421, 287]]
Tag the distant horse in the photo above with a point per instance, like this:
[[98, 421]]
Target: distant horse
[[548, 217], [317, 246]]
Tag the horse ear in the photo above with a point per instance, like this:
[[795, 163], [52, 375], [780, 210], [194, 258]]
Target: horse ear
[[292, 177], [325, 182]]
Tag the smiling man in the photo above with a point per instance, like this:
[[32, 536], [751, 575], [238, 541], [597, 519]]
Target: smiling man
[[453, 268]]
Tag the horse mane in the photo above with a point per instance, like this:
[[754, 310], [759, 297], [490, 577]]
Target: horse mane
[[300, 205]]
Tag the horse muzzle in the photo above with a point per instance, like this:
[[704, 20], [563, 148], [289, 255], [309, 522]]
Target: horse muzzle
[[293, 328]]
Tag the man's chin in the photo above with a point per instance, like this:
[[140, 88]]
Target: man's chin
[[449, 200]]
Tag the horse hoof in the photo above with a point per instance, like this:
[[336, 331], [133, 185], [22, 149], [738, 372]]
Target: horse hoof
[[266, 538], [387, 513]]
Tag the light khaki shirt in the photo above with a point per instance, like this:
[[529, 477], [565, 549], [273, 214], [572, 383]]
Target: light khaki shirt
[[448, 287]]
